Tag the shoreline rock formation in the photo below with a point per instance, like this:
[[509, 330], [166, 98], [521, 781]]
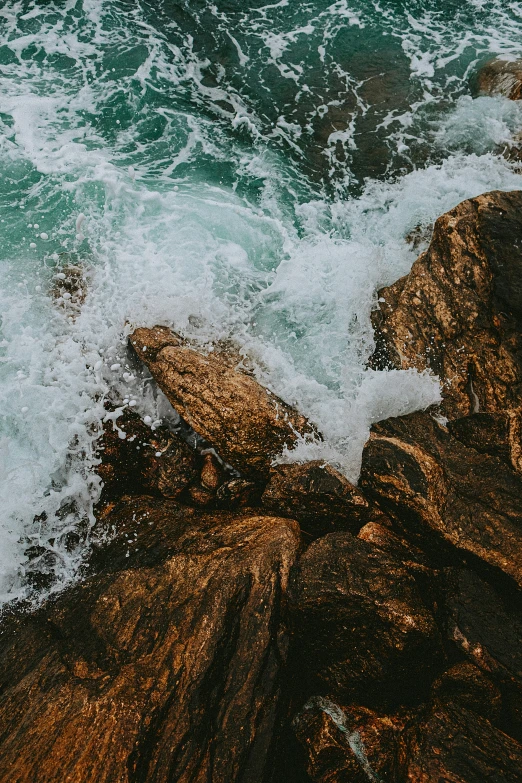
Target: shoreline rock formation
[[245, 622]]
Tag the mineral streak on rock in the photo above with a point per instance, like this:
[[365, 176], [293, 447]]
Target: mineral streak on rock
[[501, 77], [318, 497], [247, 425], [437, 489], [345, 744], [163, 667], [459, 311]]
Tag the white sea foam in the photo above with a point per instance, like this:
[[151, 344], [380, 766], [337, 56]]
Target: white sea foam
[[197, 220]]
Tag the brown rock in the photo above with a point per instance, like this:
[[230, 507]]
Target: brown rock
[[465, 685], [487, 628], [351, 744], [501, 77], [459, 311], [440, 492], [212, 474], [238, 493], [457, 745], [247, 424], [163, 667], [362, 631], [498, 434], [128, 451], [396, 546], [318, 497]]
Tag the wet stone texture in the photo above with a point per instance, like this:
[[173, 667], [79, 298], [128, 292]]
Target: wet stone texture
[[247, 424], [318, 497], [459, 311], [501, 77], [363, 633], [444, 494], [164, 666]]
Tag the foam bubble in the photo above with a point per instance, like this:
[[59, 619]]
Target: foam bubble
[[189, 193]]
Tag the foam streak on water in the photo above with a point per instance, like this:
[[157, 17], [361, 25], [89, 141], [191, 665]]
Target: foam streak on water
[[236, 174]]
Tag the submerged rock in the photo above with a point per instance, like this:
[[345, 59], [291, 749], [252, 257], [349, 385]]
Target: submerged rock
[[247, 424], [318, 497], [459, 311], [362, 630], [501, 77], [165, 666], [441, 492]]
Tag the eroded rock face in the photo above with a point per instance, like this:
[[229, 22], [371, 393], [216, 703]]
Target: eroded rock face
[[363, 633], [459, 311], [351, 744], [318, 497], [440, 491], [247, 425], [501, 77], [165, 666]]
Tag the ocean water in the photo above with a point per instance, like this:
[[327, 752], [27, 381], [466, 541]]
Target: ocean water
[[241, 171]]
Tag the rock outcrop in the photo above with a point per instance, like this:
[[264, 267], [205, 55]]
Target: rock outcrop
[[486, 627], [501, 77], [165, 666], [351, 744], [318, 497], [439, 491], [247, 424], [363, 633], [459, 311]]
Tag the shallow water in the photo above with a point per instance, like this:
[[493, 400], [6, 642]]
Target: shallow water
[[244, 174]]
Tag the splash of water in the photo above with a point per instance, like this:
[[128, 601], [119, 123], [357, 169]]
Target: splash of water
[[239, 174]]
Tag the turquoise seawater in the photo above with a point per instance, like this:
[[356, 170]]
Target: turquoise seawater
[[240, 171]]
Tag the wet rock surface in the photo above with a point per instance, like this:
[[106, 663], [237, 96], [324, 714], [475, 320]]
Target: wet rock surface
[[459, 311], [364, 634], [318, 497], [210, 641], [457, 744], [137, 459], [501, 77], [247, 424], [441, 492], [165, 666], [345, 744]]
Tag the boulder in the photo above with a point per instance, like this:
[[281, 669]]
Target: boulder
[[498, 434], [486, 627], [247, 424], [137, 459], [459, 311], [455, 744], [445, 495], [501, 77], [465, 685], [163, 666], [362, 631], [351, 744], [318, 497]]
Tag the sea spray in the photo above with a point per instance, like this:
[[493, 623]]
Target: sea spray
[[244, 174]]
